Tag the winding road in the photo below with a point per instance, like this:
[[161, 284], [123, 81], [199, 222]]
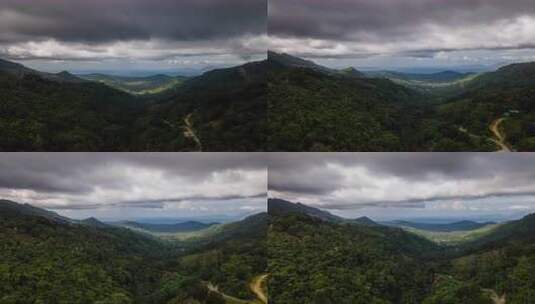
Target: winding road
[[495, 297], [499, 137], [189, 131], [257, 287]]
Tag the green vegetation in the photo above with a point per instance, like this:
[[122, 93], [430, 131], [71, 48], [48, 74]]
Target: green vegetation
[[318, 260], [312, 108], [312, 261], [313, 111], [224, 109], [49, 259], [138, 85], [453, 237]]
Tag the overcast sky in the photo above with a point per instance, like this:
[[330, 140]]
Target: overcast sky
[[132, 34], [389, 186], [115, 186], [402, 33]]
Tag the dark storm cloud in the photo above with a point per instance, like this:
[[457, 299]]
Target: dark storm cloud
[[375, 22], [73, 172], [322, 175], [100, 21], [341, 19]]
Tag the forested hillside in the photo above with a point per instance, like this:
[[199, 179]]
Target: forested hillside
[[45, 259], [312, 108], [314, 260], [222, 110]]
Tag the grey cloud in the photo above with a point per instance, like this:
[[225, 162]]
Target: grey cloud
[[79, 172], [310, 175], [104, 21], [389, 21], [153, 203]]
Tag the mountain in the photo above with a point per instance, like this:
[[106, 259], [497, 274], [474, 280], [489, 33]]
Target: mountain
[[366, 264], [439, 77], [522, 230], [352, 72], [519, 75], [450, 227], [234, 77], [500, 100], [313, 109], [288, 61], [93, 222], [278, 60], [382, 264], [317, 109], [51, 260], [278, 207], [252, 227], [168, 228], [221, 110], [364, 220], [20, 71], [16, 209]]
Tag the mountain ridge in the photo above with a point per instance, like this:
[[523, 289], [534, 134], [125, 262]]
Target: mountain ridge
[[464, 225], [280, 207]]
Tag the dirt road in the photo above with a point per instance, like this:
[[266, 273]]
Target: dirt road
[[226, 297], [257, 287], [189, 131], [495, 298], [499, 136]]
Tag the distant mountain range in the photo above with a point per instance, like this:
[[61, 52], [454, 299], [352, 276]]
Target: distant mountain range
[[249, 224], [450, 227], [150, 85], [168, 228]]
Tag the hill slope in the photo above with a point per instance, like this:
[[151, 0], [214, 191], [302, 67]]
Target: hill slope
[[328, 262], [311, 109], [314, 108], [222, 110], [46, 259]]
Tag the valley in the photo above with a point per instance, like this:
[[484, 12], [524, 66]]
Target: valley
[[151, 85], [64, 112], [342, 261], [48, 258], [315, 108]]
